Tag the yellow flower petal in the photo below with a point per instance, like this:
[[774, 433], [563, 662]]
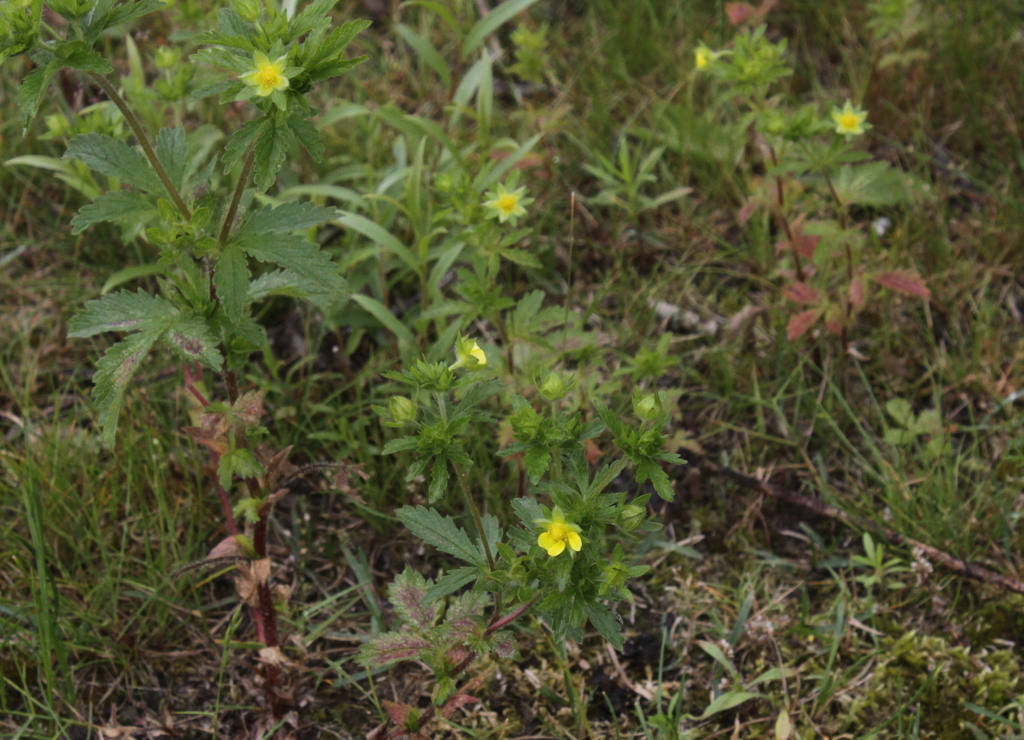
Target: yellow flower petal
[[575, 541], [556, 549]]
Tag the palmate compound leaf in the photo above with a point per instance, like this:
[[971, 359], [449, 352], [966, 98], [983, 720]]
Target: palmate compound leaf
[[309, 272], [152, 318], [441, 532]]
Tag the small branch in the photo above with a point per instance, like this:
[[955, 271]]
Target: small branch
[[236, 197], [957, 565], [140, 134], [477, 522]]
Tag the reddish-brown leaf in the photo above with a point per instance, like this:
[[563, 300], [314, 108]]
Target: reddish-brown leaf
[[742, 12], [399, 713], [459, 700], [739, 12], [806, 245], [801, 293], [858, 293], [907, 282], [802, 322]]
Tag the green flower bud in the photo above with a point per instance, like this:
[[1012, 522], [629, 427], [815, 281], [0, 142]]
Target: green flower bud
[[248, 9], [553, 388], [402, 410], [647, 407], [631, 516], [166, 57]]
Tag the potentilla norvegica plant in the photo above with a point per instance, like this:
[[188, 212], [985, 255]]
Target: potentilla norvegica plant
[[815, 172], [218, 258], [555, 560]]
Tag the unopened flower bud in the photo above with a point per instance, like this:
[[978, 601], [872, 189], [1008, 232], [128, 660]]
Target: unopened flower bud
[[248, 9], [165, 57], [402, 410], [631, 516], [553, 388], [647, 407]]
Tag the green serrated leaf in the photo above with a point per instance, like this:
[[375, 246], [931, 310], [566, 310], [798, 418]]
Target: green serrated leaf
[[528, 511], [232, 281], [32, 89], [438, 479], [172, 151], [605, 622], [78, 55], [114, 158], [120, 206], [451, 583], [441, 532], [239, 462], [237, 62], [123, 311], [307, 134], [113, 373], [291, 216], [121, 14], [311, 17], [314, 267], [272, 144], [400, 445], [190, 337], [240, 141], [537, 460]]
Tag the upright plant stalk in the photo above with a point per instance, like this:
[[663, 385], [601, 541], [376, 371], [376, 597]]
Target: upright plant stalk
[[474, 512], [140, 134]]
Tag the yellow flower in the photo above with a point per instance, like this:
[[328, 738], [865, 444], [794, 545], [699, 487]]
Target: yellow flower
[[267, 77], [507, 205], [468, 355], [850, 121], [557, 532], [703, 56]]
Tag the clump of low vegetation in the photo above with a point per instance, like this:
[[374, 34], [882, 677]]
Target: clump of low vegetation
[[509, 369]]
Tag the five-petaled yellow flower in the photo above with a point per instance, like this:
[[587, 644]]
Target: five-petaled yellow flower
[[850, 121], [268, 77], [557, 532], [507, 205]]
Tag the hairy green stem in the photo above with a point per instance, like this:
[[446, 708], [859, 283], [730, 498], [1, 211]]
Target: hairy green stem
[[236, 197], [477, 521], [140, 134]]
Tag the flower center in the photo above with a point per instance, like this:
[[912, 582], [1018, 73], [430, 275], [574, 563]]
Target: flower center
[[507, 203], [268, 77], [558, 531], [848, 121]]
